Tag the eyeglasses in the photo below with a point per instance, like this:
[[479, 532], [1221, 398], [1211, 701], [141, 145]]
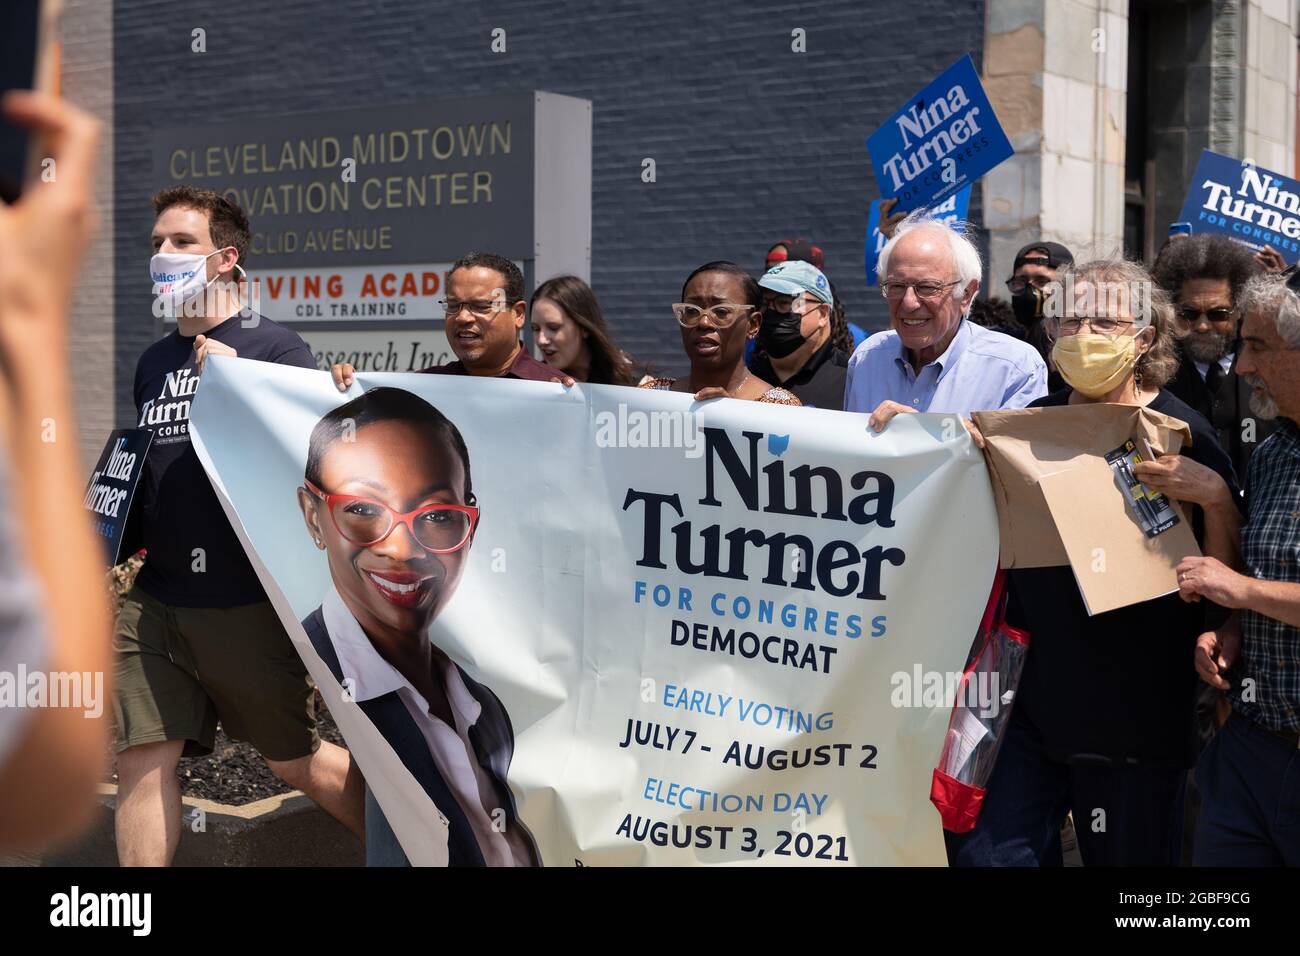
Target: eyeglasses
[[479, 308], [1103, 325], [1017, 284], [1192, 316], [785, 304], [928, 291], [439, 529], [721, 316]]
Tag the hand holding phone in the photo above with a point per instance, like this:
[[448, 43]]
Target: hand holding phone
[[20, 33], [43, 236]]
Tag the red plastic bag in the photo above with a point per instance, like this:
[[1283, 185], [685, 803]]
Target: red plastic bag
[[980, 715]]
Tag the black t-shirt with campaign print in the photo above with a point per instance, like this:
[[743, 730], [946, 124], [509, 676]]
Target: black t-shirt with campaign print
[[194, 558]]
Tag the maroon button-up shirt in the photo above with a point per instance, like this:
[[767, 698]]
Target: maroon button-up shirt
[[524, 366]]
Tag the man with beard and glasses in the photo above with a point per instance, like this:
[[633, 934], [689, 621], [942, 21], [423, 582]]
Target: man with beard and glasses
[[1249, 776], [1205, 275]]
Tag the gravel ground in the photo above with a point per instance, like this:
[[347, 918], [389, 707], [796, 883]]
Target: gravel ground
[[234, 773]]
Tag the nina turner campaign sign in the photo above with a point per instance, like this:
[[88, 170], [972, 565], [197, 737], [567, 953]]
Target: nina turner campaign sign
[[604, 626], [942, 140], [1253, 205], [112, 487]]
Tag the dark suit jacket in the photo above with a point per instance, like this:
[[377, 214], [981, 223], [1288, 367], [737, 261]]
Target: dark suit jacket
[[1226, 411], [492, 738]]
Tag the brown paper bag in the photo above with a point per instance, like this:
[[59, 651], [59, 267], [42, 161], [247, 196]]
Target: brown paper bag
[[1058, 502]]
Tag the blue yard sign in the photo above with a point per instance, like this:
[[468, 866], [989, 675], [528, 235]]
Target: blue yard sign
[[1255, 206], [112, 487], [940, 141], [951, 209]]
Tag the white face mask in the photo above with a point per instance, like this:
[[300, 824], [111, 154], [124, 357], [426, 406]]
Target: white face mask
[[178, 279]]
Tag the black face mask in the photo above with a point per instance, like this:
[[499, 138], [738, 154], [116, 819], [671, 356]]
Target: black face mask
[[780, 334], [1027, 304]]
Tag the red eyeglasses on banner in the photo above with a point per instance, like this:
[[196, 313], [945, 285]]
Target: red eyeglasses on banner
[[439, 529]]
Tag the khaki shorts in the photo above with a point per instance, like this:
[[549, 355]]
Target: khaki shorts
[[181, 669]]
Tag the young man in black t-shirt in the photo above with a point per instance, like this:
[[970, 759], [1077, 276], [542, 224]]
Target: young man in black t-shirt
[[197, 641]]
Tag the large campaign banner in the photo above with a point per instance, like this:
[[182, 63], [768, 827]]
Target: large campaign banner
[[611, 626], [1253, 205]]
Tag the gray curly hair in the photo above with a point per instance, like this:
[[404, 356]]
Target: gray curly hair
[[1129, 290], [1270, 295]]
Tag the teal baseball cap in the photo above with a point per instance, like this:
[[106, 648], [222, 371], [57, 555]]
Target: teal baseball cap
[[793, 276]]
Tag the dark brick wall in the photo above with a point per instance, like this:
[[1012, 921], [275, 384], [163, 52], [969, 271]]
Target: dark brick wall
[[752, 141]]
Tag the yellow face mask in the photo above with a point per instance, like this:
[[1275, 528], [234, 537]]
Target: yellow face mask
[[1094, 364]]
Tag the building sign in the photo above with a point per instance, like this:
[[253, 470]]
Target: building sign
[[358, 214], [348, 293], [395, 350]]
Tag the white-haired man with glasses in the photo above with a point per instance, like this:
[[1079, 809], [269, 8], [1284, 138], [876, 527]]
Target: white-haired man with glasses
[[933, 359]]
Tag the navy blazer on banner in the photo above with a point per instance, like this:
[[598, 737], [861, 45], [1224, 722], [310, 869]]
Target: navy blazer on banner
[[491, 736]]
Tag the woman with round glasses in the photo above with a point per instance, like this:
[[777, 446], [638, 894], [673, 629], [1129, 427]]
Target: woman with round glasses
[[387, 496], [721, 309], [1104, 717]]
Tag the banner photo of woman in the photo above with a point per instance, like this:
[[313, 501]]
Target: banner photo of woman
[[609, 626]]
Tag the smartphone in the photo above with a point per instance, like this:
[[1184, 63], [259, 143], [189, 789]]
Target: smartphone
[[1180, 229], [27, 62]]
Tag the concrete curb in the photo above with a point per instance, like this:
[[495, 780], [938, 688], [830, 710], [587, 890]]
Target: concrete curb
[[284, 830]]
